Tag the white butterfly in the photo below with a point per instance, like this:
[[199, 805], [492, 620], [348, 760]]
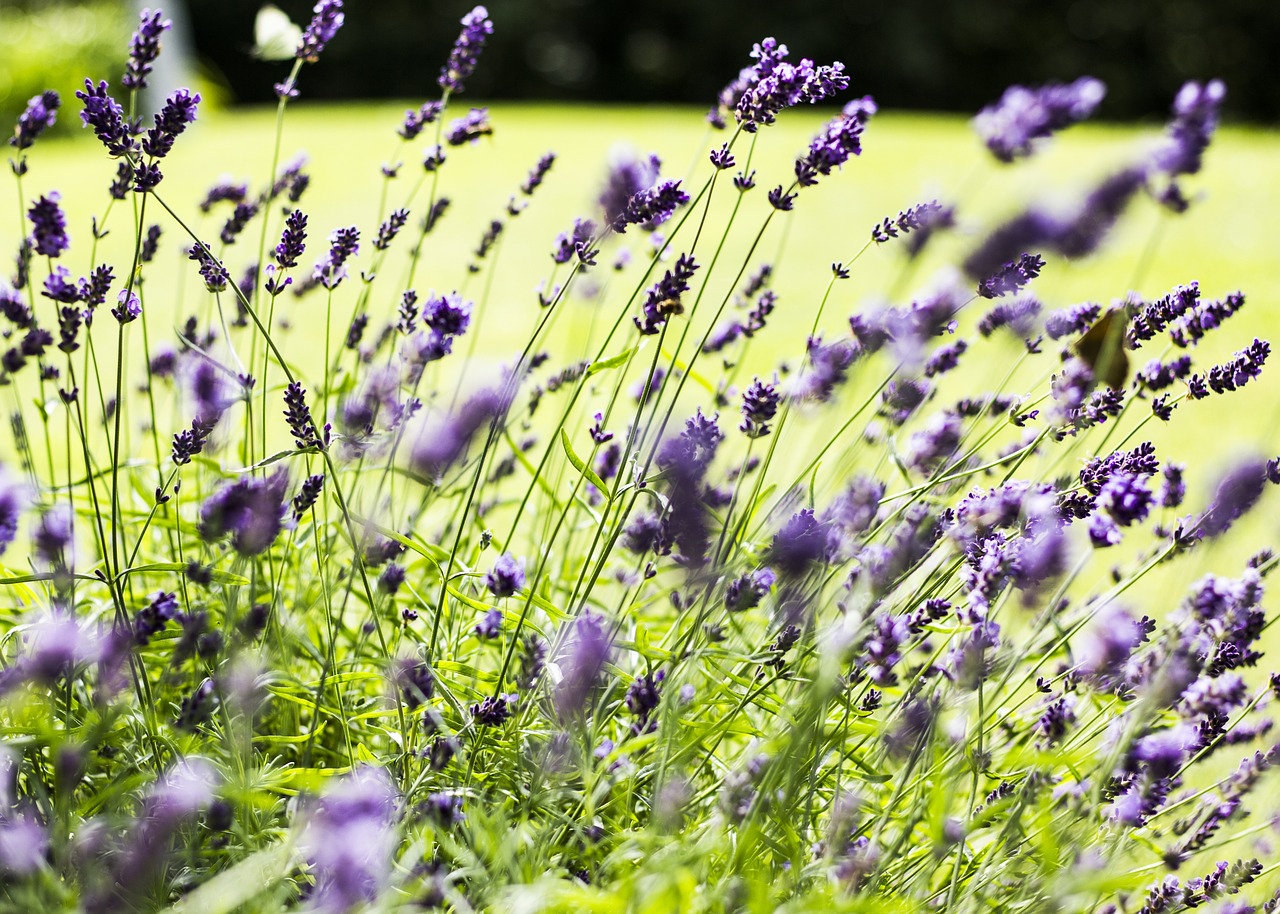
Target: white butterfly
[[275, 35]]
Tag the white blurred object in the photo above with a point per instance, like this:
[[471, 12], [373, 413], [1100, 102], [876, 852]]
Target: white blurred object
[[275, 36]]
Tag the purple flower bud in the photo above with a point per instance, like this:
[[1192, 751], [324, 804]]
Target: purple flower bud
[[774, 84], [588, 648], [179, 110], [343, 244], [48, 226], [469, 128], [506, 576], [840, 139], [1195, 118], [251, 509], [104, 114], [327, 19], [759, 405], [476, 29], [490, 625], [129, 309], [39, 116], [349, 840], [1023, 115], [1237, 492], [144, 48], [1011, 277], [747, 591]]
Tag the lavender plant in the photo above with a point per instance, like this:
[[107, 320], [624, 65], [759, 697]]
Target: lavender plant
[[345, 622]]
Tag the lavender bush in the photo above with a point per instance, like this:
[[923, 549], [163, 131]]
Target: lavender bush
[[338, 620]]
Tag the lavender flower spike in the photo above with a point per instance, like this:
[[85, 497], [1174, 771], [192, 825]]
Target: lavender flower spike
[[39, 116], [250, 509], [349, 840], [323, 27], [48, 226], [506, 577], [476, 28], [144, 48], [1023, 115]]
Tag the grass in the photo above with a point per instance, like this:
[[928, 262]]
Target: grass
[[1226, 243]]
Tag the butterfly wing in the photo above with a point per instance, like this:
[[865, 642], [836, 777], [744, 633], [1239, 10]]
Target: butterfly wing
[[1102, 348], [274, 34]]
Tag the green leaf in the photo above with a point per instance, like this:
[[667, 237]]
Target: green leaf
[[608, 364], [237, 885], [578, 465]]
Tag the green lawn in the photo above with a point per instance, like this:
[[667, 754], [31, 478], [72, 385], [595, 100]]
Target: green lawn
[[1227, 241]]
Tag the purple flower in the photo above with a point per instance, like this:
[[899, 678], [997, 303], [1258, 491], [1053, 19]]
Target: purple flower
[[235, 193], [469, 128], [215, 275], [490, 624], [800, 544], [104, 114], [448, 314], [774, 84], [414, 680], [39, 116], [1071, 321], [663, 299], [327, 19], [439, 446], [48, 226], [251, 509], [506, 576], [828, 368], [1190, 327], [1245, 367], [1072, 236], [537, 174], [918, 222], [944, 359], [780, 200], [179, 110], [144, 48], [759, 405], [349, 840], [1156, 375], [1195, 118], [577, 241], [24, 843], [651, 207], [1010, 278], [747, 591], [298, 415], [343, 244], [292, 239], [307, 495], [628, 176], [642, 699], [237, 221], [1237, 492], [1126, 497], [129, 309], [1023, 115], [416, 121], [838, 140], [12, 502], [586, 652], [476, 28], [493, 711], [930, 447], [390, 228]]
